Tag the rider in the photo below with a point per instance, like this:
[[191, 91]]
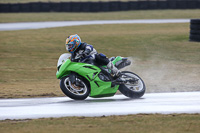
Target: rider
[[81, 50]]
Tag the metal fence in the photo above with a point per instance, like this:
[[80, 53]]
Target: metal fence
[[99, 6]]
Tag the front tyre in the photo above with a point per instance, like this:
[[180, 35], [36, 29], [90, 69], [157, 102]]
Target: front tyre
[[132, 90], [74, 91]]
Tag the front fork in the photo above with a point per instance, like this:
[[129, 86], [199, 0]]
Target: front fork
[[73, 79]]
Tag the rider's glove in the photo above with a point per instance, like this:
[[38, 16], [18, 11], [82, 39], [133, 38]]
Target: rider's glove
[[86, 52]]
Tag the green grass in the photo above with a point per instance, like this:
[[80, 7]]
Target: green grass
[[147, 14], [29, 57], [155, 123]]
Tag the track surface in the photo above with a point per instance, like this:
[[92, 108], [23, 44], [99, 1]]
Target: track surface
[[164, 103], [39, 25]]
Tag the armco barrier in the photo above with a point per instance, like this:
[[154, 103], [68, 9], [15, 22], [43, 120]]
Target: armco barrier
[[195, 30], [99, 6]]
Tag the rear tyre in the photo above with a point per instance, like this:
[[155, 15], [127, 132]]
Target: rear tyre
[[72, 90], [131, 90]]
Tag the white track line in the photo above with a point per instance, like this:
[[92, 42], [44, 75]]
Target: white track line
[[39, 25]]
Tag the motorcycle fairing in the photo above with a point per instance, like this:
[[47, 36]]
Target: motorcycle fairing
[[90, 72]]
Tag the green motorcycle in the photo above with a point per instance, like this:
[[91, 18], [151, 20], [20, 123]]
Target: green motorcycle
[[78, 80]]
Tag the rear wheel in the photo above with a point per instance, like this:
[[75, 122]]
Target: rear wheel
[[132, 90], [76, 92]]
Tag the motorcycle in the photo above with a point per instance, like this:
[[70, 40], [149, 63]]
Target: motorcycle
[[78, 80]]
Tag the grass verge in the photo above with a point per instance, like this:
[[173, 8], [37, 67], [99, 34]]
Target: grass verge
[[147, 14], [142, 123]]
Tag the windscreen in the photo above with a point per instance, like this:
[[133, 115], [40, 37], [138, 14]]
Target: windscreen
[[63, 58]]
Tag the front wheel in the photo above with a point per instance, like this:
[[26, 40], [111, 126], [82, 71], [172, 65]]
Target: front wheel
[[132, 90], [76, 92]]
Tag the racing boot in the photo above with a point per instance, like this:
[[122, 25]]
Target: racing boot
[[114, 70]]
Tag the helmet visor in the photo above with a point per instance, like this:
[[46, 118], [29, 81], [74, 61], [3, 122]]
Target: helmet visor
[[69, 46]]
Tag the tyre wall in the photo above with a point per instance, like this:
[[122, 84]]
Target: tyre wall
[[195, 30], [99, 6]]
